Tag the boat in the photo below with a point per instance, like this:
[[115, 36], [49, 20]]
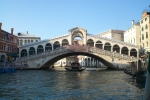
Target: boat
[[75, 67]]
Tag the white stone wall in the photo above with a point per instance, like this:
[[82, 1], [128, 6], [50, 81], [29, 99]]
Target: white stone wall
[[132, 35]]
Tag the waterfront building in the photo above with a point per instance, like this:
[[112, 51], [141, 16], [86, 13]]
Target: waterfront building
[[145, 30], [84, 61], [8, 45], [26, 38], [132, 34], [113, 34]]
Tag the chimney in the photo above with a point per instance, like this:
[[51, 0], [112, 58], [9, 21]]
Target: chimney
[[0, 25], [132, 22], [27, 32], [12, 29]]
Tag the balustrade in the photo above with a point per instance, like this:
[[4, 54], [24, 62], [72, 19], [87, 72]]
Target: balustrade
[[72, 48]]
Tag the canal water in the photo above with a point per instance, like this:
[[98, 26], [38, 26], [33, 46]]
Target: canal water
[[65, 85]]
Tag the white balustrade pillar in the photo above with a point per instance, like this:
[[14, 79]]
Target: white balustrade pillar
[[52, 46], [111, 49], [103, 46], [128, 52]]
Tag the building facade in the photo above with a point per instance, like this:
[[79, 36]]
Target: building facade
[[8, 45], [132, 35], [145, 30], [113, 34], [26, 38]]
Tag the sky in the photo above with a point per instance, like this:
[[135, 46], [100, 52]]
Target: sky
[[53, 18]]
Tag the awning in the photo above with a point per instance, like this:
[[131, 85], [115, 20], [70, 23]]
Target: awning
[[13, 55]]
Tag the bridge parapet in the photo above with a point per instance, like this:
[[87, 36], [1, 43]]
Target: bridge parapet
[[72, 48], [42, 55], [112, 54]]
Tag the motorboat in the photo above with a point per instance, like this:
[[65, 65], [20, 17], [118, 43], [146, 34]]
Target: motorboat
[[75, 67]]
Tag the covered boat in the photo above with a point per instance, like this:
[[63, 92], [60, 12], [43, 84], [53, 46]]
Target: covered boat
[[75, 67]]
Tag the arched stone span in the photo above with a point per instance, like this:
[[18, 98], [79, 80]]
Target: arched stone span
[[40, 49], [65, 42], [107, 46], [23, 53], [99, 44], [133, 52], [116, 48], [124, 50], [56, 45], [48, 47], [77, 33], [90, 43], [32, 51], [67, 54]]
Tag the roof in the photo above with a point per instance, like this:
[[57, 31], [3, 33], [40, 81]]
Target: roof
[[20, 34]]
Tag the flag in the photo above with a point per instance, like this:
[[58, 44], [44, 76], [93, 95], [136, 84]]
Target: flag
[[147, 85]]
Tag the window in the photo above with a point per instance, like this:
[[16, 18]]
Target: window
[[146, 27], [142, 29], [146, 35], [142, 36], [147, 44], [145, 18], [2, 47], [141, 21]]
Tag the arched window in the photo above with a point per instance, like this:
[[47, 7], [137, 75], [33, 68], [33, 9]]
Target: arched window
[[146, 35], [142, 36]]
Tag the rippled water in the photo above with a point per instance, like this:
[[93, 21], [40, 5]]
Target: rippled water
[[65, 85]]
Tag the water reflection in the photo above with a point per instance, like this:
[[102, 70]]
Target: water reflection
[[62, 85]]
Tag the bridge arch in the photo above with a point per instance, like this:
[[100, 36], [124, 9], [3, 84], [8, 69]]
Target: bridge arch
[[116, 48], [40, 49], [23, 52], [124, 50], [107, 46], [32, 51], [65, 42], [133, 52], [90, 42], [67, 54], [48, 47], [99, 44], [56, 44]]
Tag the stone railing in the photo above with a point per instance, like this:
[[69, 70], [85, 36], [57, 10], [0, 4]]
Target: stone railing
[[104, 38], [42, 55], [72, 48], [112, 54]]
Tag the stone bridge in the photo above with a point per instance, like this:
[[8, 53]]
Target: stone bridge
[[112, 53], [112, 60]]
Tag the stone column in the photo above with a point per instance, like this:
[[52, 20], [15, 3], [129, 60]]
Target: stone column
[[23, 41], [52, 46], [111, 49], [103, 46], [36, 50], [120, 51], [128, 52]]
